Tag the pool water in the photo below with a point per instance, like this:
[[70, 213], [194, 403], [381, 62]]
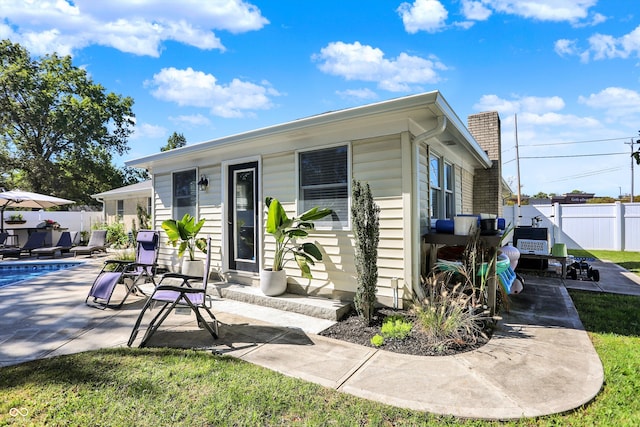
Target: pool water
[[14, 272]]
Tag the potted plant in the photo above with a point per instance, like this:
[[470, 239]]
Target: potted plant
[[16, 219], [286, 231], [184, 232]]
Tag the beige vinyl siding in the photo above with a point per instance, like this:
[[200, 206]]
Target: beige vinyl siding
[[209, 208], [467, 192], [423, 189], [378, 162], [457, 180]]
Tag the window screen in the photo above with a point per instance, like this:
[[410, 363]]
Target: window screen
[[184, 193], [324, 182]]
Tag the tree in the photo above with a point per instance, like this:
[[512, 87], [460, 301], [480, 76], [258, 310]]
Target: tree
[[176, 140], [59, 129], [541, 195], [365, 215]]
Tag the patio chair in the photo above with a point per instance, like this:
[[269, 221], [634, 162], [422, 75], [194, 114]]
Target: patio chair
[[128, 273], [65, 243], [171, 296], [3, 238], [36, 240], [97, 243]]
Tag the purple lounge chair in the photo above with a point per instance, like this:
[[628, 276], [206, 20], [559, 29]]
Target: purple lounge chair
[[171, 295], [127, 273]]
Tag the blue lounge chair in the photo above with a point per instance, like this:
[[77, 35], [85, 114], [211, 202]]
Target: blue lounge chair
[[130, 274], [170, 296], [65, 243], [36, 240]]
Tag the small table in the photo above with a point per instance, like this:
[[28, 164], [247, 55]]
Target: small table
[[563, 260], [491, 242]]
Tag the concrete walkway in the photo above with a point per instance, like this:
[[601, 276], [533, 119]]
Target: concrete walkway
[[540, 360]]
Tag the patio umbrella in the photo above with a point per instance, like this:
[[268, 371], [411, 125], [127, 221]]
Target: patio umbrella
[[26, 199]]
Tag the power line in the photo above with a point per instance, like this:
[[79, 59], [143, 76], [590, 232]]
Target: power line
[[586, 174], [571, 155], [575, 142]]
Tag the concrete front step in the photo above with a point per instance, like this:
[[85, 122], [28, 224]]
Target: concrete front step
[[321, 308]]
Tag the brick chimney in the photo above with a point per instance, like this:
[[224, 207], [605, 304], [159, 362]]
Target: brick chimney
[[487, 185]]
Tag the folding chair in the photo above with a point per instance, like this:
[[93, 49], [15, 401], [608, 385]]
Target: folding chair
[[126, 272], [170, 296]]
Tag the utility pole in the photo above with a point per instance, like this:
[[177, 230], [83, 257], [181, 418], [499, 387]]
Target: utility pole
[[515, 118], [632, 159]]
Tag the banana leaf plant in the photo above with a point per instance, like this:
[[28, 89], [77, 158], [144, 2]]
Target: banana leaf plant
[[287, 231], [185, 232]]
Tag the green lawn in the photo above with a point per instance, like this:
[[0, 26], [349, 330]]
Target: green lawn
[[628, 260], [153, 387]]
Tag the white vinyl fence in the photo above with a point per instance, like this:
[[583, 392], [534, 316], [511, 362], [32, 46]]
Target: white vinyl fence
[[608, 226], [69, 220]]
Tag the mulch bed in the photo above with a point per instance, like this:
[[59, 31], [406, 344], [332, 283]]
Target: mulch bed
[[353, 329]]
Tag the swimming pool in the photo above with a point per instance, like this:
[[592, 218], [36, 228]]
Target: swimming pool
[[14, 272]]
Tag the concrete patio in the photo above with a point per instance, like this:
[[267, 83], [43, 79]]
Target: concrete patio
[[540, 360]]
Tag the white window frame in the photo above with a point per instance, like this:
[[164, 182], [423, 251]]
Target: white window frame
[[119, 209], [175, 214], [443, 193], [326, 224]]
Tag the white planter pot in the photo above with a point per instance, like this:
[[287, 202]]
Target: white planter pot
[[273, 283], [192, 268]]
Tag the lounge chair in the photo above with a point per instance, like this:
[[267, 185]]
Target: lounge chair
[[170, 296], [64, 245], [97, 243], [36, 240], [128, 273]]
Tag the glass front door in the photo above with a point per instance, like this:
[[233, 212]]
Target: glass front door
[[242, 217]]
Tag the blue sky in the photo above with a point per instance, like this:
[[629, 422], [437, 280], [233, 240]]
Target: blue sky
[[569, 69]]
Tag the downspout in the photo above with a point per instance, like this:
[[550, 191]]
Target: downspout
[[417, 242], [440, 127]]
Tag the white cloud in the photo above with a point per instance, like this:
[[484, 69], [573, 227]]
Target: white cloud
[[528, 104], [431, 16], [191, 120], [139, 27], [147, 130], [544, 10], [358, 94], [355, 61], [475, 10], [564, 47], [423, 15], [619, 104], [606, 46], [197, 89]]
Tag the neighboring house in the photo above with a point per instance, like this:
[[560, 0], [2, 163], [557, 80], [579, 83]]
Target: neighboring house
[[420, 160], [121, 204]]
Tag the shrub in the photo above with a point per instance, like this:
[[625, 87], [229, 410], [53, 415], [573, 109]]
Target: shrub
[[396, 327], [366, 231], [377, 340], [116, 236], [447, 313]]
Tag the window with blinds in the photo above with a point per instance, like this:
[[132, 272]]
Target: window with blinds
[[184, 193], [323, 176]]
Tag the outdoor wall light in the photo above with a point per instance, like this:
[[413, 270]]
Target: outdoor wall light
[[203, 183]]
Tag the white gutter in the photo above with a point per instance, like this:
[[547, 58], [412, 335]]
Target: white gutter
[[440, 127], [416, 252]]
